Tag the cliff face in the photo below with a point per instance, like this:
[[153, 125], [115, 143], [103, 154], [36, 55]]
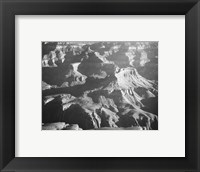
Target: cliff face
[[104, 85]]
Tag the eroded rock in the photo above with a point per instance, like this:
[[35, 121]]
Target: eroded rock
[[54, 126]]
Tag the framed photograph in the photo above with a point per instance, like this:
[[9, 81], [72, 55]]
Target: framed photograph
[[99, 85]]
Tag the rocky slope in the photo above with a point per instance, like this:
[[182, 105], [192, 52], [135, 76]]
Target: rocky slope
[[100, 85]]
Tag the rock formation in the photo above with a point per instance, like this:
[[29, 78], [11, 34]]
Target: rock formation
[[100, 85]]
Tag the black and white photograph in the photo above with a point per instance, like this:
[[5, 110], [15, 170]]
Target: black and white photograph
[[99, 85]]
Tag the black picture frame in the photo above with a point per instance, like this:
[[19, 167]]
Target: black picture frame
[[10, 8]]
